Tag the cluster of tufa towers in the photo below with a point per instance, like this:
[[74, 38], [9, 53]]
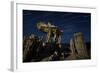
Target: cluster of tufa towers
[[77, 43]]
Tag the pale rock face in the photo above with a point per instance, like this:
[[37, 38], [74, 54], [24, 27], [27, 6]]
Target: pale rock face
[[80, 45], [53, 32], [72, 48]]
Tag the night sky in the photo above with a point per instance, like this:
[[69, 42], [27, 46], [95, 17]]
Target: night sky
[[69, 22]]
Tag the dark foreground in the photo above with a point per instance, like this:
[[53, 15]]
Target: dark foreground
[[35, 51]]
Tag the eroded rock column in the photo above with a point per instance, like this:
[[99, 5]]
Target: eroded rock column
[[80, 45]]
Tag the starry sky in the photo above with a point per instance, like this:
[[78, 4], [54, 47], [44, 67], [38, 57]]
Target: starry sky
[[69, 22]]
